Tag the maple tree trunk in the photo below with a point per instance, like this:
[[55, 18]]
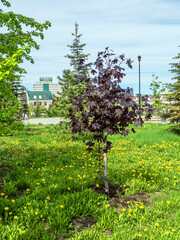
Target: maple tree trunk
[[105, 167]]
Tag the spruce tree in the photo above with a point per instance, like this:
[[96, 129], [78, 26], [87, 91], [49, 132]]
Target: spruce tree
[[69, 88], [174, 92], [77, 57]]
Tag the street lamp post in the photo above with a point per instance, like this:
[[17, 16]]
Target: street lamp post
[[139, 59]]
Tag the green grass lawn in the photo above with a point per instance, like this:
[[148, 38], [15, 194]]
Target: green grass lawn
[[47, 184]]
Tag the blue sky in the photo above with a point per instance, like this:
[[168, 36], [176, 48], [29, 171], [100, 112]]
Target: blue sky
[[150, 28]]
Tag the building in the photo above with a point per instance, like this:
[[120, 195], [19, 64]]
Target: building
[[46, 84], [44, 98]]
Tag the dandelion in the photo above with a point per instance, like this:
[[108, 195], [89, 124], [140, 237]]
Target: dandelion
[[106, 205], [36, 213], [29, 204], [166, 232], [48, 198], [141, 207], [129, 214], [145, 229], [12, 200], [123, 209], [69, 188], [2, 194], [156, 224], [15, 217], [173, 230], [128, 202], [61, 206], [98, 203], [6, 208], [140, 235], [97, 185], [27, 189], [23, 232], [168, 202], [10, 213]]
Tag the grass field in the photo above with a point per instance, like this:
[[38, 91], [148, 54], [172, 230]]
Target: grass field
[[48, 186]]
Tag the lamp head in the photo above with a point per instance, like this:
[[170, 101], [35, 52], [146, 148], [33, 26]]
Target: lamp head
[[139, 58]]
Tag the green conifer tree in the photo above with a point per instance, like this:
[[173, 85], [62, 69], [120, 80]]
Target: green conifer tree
[[174, 92], [77, 55]]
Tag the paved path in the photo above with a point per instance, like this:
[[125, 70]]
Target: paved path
[[43, 120]]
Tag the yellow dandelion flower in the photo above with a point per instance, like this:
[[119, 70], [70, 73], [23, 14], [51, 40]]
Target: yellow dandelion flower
[[166, 232], [140, 235], [48, 198], [6, 208], [15, 217], [128, 202], [97, 185], [141, 207], [61, 206], [145, 229], [2, 194], [123, 209], [98, 203], [129, 214], [10, 213], [36, 213], [168, 202], [12, 200], [173, 230], [23, 232], [156, 224]]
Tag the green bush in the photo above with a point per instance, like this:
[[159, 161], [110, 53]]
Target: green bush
[[11, 129]]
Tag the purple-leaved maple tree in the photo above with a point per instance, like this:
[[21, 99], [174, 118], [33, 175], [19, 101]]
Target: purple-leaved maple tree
[[104, 108]]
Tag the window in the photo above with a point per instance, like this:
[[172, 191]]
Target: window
[[34, 103], [35, 97], [40, 96], [40, 103], [45, 96], [45, 103]]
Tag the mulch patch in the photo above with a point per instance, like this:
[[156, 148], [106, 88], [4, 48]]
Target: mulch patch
[[83, 223], [142, 197], [114, 190], [115, 200]]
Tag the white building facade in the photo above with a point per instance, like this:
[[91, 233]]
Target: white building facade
[[46, 84]]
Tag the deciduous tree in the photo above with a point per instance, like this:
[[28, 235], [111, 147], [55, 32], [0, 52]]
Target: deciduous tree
[[104, 108], [18, 31]]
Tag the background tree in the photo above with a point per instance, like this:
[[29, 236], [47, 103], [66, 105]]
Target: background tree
[[69, 86], [77, 57], [16, 41], [104, 108], [69, 90], [174, 92], [157, 89], [18, 32], [9, 104]]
